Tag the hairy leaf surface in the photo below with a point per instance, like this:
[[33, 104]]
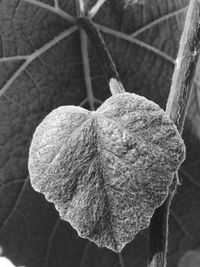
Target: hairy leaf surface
[[106, 171]]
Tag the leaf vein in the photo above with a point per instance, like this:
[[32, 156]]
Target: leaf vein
[[180, 224], [83, 258], [15, 205], [35, 55], [157, 21], [140, 43], [4, 185], [12, 101], [2, 44], [46, 260], [12, 58], [94, 10], [189, 177], [54, 9], [56, 4], [25, 222]]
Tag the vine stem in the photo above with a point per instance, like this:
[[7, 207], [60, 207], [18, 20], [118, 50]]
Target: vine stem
[[177, 106]]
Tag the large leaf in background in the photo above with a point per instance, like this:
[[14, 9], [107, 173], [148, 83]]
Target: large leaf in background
[[185, 221], [40, 69], [190, 258]]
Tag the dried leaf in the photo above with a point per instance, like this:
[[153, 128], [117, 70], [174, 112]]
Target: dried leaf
[[106, 171]]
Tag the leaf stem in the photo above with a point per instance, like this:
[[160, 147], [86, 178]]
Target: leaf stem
[[86, 68], [177, 106], [102, 52], [121, 261]]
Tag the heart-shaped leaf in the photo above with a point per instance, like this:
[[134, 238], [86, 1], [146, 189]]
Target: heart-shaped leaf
[[106, 171]]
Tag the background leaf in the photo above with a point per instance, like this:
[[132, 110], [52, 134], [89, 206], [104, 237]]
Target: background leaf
[[190, 258], [40, 69]]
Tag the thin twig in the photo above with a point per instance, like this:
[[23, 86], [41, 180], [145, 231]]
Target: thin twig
[[103, 54], [177, 106]]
